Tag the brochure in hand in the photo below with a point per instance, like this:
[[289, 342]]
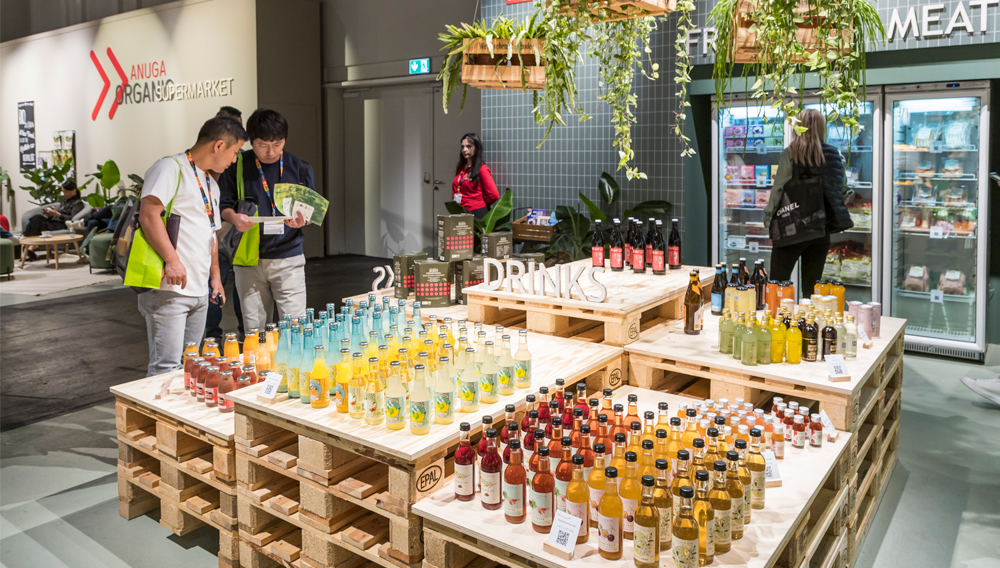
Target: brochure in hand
[[292, 199]]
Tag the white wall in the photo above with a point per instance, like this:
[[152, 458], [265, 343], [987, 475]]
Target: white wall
[[196, 40]]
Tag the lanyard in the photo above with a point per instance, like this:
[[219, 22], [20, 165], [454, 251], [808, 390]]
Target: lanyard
[[267, 190], [209, 209]]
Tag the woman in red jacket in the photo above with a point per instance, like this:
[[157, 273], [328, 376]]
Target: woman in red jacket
[[473, 187]]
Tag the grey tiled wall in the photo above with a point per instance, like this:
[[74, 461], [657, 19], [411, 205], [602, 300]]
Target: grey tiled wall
[[574, 156]]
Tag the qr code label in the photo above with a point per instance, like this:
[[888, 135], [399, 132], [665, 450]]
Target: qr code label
[[562, 538]]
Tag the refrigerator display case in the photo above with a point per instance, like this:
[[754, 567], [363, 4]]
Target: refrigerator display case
[[747, 140], [854, 255], [935, 213]]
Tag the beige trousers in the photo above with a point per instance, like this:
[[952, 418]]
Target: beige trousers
[[278, 280]]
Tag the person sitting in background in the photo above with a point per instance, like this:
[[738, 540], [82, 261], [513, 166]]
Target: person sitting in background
[[473, 187], [54, 216]]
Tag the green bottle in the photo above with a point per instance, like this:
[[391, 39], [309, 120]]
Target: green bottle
[[763, 343], [738, 332], [726, 328], [749, 351]]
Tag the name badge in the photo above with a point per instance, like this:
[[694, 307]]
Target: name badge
[[274, 228]]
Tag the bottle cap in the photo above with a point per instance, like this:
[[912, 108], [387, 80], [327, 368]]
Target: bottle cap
[[556, 421], [814, 417], [464, 427], [755, 433], [698, 443], [663, 406], [713, 432], [595, 401], [647, 444], [602, 418], [542, 451], [611, 472], [691, 413], [633, 398], [675, 421], [687, 492], [619, 408], [554, 403], [661, 433], [720, 420], [560, 382], [577, 459], [701, 475], [720, 465], [599, 448], [577, 412], [620, 438], [543, 390], [513, 427], [487, 419], [567, 441], [510, 408], [631, 457], [532, 414], [530, 398], [491, 433], [662, 464], [515, 444], [585, 428], [798, 419], [649, 415], [648, 481], [581, 387], [732, 455], [740, 444], [635, 427], [539, 433], [683, 455]]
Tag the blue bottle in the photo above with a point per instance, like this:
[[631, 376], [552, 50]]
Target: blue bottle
[[331, 310], [308, 346], [377, 328], [310, 316], [294, 364], [282, 354], [418, 322], [332, 337], [356, 335]]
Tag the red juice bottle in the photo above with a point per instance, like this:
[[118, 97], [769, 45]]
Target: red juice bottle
[[585, 451], [211, 387], [542, 493], [544, 415], [575, 435], [564, 471], [581, 399], [465, 466], [190, 364], [226, 385], [554, 437], [567, 413], [528, 445], [555, 418], [560, 394], [533, 461], [481, 447], [591, 414], [524, 421], [514, 483], [198, 381], [510, 409], [515, 434], [603, 436], [490, 473]]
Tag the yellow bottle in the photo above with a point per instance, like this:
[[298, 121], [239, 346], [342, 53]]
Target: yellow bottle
[[421, 406], [777, 341], [629, 490], [660, 448], [444, 393], [704, 514], [741, 449], [609, 518], [250, 346], [735, 489], [663, 499], [756, 465], [793, 345], [395, 400], [712, 453], [343, 378], [674, 445], [356, 388], [647, 460], [319, 380], [578, 499], [681, 479], [722, 506], [596, 482], [689, 435], [685, 530], [635, 439], [646, 529], [618, 455], [647, 426], [374, 395]]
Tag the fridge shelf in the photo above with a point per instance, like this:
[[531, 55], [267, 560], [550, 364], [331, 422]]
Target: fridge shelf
[[936, 177], [970, 148], [769, 150], [950, 205], [858, 231], [927, 234], [953, 298], [857, 284], [761, 209], [750, 184], [860, 185]]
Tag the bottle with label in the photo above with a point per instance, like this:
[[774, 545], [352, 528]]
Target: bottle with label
[[619, 426], [698, 453], [852, 338], [342, 381], [659, 251], [489, 381], [210, 389], [578, 499], [374, 395], [444, 393], [356, 387], [293, 364], [704, 514], [694, 305], [830, 340], [793, 345], [563, 472], [777, 341], [722, 506], [629, 490], [718, 291], [712, 453], [395, 399], [616, 252], [281, 354], [629, 238], [319, 380], [635, 439], [528, 444], [514, 506], [764, 342], [681, 477], [691, 433], [596, 481], [663, 501], [748, 346], [646, 527], [469, 381], [798, 432], [506, 363], [638, 249], [650, 240], [841, 333], [760, 284], [542, 494], [778, 437], [674, 246], [745, 479], [514, 432], [739, 331], [522, 362], [685, 531], [744, 272], [554, 435], [646, 460], [421, 409], [465, 466], [609, 518], [490, 477], [538, 436], [674, 445], [734, 488], [756, 465], [810, 341], [597, 246], [585, 451], [815, 431]]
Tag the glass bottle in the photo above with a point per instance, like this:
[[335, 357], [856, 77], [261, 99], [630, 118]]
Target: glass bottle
[[841, 333], [506, 364], [694, 305], [190, 370], [597, 245], [609, 518], [685, 531], [522, 362], [681, 479], [592, 413], [603, 435], [250, 345], [211, 386], [660, 448], [596, 482], [663, 500], [648, 418], [343, 381], [815, 431], [674, 246], [374, 395], [420, 403], [300, 378], [777, 341], [722, 506], [638, 249], [585, 451], [581, 399], [465, 465], [646, 461], [748, 350], [395, 399], [489, 382], [542, 494], [491, 466], [798, 432], [756, 465], [619, 426], [830, 339], [544, 414], [290, 382], [726, 329], [514, 507], [226, 385], [704, 514], [698, 454], [852, 338], [810, 341], [555, 443], [793, 348], [564, 472], [616, 250], [712, 453], [469, 392], [528, 444], [658, 254], [635, 439], [629, 490], [617, 460], [691, 433], [646, 528], [533, 466], [674, 445], [444, 395], [577, 499], [356, 387], [319, 380], [764, 342], [515, 434]]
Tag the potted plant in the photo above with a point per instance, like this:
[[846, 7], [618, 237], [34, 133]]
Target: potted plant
[[779, 41], [47, 180]]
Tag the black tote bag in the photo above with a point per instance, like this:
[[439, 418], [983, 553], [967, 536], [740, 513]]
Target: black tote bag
[[801, 213]]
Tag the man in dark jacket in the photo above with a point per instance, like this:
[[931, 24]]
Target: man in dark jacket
[[279, 275]]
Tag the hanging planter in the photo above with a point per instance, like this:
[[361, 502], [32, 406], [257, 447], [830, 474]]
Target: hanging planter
[[614, 10], [497, 64], [746, 49]]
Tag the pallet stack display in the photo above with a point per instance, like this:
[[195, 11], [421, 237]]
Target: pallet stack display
[[803, 522], [176, 454], [308, 480]]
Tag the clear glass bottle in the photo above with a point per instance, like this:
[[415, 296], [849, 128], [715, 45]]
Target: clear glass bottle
[[489, 382], [739, 332], [646, 528], [741, 450], [319, 380], [356, 388], [681, 478], [685, 531], [629, 490], [522, 362], [563, 471], [777, 341], [722, 507], [421, 407], [756, 465], [395, 400], [663, 500], [763, 333], [748, 350], [596, 482], [444, 393], [469, 381], [726, 329], [374, 395], [609, 518], [704, 514], [736, 498], [852, 338], [506, 364]]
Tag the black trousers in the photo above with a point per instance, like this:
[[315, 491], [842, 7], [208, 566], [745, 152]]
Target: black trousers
[[479, 213], [811, 256], [40, 223]]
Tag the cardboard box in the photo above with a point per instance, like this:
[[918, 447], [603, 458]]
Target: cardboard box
[[433, 283], [468, 273], [456, 237], [498, 245], [402, 265], [526, 257]]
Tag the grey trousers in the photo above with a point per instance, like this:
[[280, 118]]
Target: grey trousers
[[171, 321], [273, 280]]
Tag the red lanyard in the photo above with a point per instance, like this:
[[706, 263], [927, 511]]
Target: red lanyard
[[281, 172], [209, 209]]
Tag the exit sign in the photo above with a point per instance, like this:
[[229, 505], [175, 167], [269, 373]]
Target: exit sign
[[420, 66]]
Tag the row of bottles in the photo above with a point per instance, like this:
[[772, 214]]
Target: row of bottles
[[636, 250], [786, 339]]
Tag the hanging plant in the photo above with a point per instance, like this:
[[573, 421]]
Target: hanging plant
[[682, 69], [567, 27], [779, 41]]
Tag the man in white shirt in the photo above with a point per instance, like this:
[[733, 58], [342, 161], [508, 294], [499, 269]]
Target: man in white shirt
[[175, 313]]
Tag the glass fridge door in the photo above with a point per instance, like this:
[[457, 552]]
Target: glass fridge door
[[937, 261], [853, 256], [750, 141]]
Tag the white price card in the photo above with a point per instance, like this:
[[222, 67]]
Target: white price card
[[562, 537], [761, 148], [831, 432], [937, 232], [270, 389], [837, 368], [937, 296], [866, 341], [936, 147], [754, 246], [772, 477], [736, 243]]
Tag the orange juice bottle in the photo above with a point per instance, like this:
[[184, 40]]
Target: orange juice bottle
[[264, 361], [211, 349], [191, 350], [250, 346], [231, 347]]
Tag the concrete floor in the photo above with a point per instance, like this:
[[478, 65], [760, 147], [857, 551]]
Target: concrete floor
[[58, 504]]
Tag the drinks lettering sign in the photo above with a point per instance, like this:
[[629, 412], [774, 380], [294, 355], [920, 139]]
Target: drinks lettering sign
[[560, 281]]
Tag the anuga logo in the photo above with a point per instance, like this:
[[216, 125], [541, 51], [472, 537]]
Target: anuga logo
[[148, 83], [787, 209]]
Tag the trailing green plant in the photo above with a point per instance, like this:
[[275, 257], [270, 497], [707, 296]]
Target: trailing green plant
[[567, 28], [47, 179], [682, 70], [502, 28]]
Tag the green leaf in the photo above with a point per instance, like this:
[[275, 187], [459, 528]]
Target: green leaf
[[454, 208], [110, 176], [656, 208], [608, 188], [500, 210], [96, 200], [595, 212]]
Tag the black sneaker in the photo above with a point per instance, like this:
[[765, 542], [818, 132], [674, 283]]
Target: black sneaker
[[31, 256]]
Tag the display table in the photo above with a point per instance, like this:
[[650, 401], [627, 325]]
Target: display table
[[634, 301], [801, 515], [177, 454], [309, 477], [51, 245]]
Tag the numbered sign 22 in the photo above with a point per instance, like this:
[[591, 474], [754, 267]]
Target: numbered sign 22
[[389, 279]]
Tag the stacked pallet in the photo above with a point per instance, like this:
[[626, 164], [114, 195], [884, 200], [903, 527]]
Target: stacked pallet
[[176, 454], [317, 489]]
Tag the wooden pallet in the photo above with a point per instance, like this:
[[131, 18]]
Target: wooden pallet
[[666, 353], [177, 455], [804, 519], [634, 301], [507, 74], [314, 469], [613, 10]]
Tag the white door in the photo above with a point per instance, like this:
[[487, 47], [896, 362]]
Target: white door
[[448, 131]]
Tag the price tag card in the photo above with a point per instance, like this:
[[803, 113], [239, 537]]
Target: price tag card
[[270, 389], [937, 232], [761, 148], [772, 477], [937, 296], [164, 389], [562, 537], [837, 368], [831, 433], [754, 246], [936, 147], [736, 243], [866, 341]]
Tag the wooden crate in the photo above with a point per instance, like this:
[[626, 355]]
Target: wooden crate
[[613, 10], [480, 68], [745, 48], [177, 455], [634, 301], [799, 514], [667, 349], [537, 233], [315, 469]]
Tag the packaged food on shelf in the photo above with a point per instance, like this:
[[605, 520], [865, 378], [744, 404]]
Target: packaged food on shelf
[[917, 279], [952, 282], [861, 215], [734, 196], [952, 167], [831, 270], [760, 198]]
